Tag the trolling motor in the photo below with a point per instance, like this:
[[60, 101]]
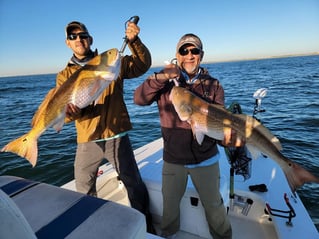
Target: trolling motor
[[237, 159], [240, 163], [259, 95], [289, 214]]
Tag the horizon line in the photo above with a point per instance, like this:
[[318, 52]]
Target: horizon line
[[204, 62]]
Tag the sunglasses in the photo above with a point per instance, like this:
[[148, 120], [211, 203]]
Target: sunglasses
[[82, 35], [184, 51]]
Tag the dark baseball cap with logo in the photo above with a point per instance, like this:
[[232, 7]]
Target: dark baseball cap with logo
[[75, 25]]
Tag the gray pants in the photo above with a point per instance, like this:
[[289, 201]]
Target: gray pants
[[119, 153], [206, 181]]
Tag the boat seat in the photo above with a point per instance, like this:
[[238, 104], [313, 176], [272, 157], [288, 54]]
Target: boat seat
[[54, 212]]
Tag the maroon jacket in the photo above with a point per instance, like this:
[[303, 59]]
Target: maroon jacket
[[180, 146]]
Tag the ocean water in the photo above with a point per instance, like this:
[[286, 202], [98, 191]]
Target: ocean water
[[291, 104]]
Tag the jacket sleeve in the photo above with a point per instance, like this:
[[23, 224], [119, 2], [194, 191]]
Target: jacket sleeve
[[219, 94], [147, 92], [138, 63]]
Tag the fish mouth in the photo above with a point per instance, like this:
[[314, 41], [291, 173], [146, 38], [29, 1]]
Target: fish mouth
[[117, 62], [117, 59]]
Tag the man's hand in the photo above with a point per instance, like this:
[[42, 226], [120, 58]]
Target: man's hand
[[132, 30], [72, 111], [171, 71], [231, 139]]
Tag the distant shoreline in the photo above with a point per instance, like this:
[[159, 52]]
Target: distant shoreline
[[204, 62], [253, 59], [263, 58]]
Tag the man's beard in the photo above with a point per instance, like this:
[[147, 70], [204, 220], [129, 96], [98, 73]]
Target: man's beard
[[190, 70]]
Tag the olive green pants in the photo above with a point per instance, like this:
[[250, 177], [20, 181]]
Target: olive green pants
[[206, 181], [119, 153]]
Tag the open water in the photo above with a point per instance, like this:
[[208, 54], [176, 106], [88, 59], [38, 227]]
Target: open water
[[291, 103]]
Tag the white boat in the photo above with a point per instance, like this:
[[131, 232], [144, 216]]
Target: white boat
[[248, 220], [40, 204], [31, 209]]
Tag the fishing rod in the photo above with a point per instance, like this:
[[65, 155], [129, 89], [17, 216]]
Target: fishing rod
[[135, 20]]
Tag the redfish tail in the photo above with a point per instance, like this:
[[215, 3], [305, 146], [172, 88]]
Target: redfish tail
[[26, 147], [298, 176]]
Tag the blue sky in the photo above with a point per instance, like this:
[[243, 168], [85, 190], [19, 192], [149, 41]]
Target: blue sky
[[32, 32]]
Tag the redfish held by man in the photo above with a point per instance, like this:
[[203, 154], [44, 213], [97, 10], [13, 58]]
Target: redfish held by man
[[214, 120], [81, 89]]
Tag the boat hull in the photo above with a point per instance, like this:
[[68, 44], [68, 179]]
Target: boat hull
[[254, 223], [41, 204]]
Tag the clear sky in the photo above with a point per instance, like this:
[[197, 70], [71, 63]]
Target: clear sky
[[32, 31]]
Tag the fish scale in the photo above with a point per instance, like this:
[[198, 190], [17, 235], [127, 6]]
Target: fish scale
[[80, 98]]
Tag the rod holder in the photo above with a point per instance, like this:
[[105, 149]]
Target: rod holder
[[289, 214]]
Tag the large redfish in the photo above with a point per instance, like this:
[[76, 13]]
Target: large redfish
[[81, 89], [214, 121]]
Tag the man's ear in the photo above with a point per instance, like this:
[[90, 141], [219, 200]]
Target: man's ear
[[201, 55], [67, 42]]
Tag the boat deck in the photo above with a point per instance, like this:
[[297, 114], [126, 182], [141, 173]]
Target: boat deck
[[256, 224], [193, 216]]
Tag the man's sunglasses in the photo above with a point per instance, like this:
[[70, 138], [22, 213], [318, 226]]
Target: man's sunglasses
[[82, 35], [184, 51]]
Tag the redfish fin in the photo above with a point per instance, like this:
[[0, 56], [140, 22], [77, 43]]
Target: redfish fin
[[276, 142], [298, 176], [199, 135], [254, 152], [260, 128], [25, 146], [59, 124]]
